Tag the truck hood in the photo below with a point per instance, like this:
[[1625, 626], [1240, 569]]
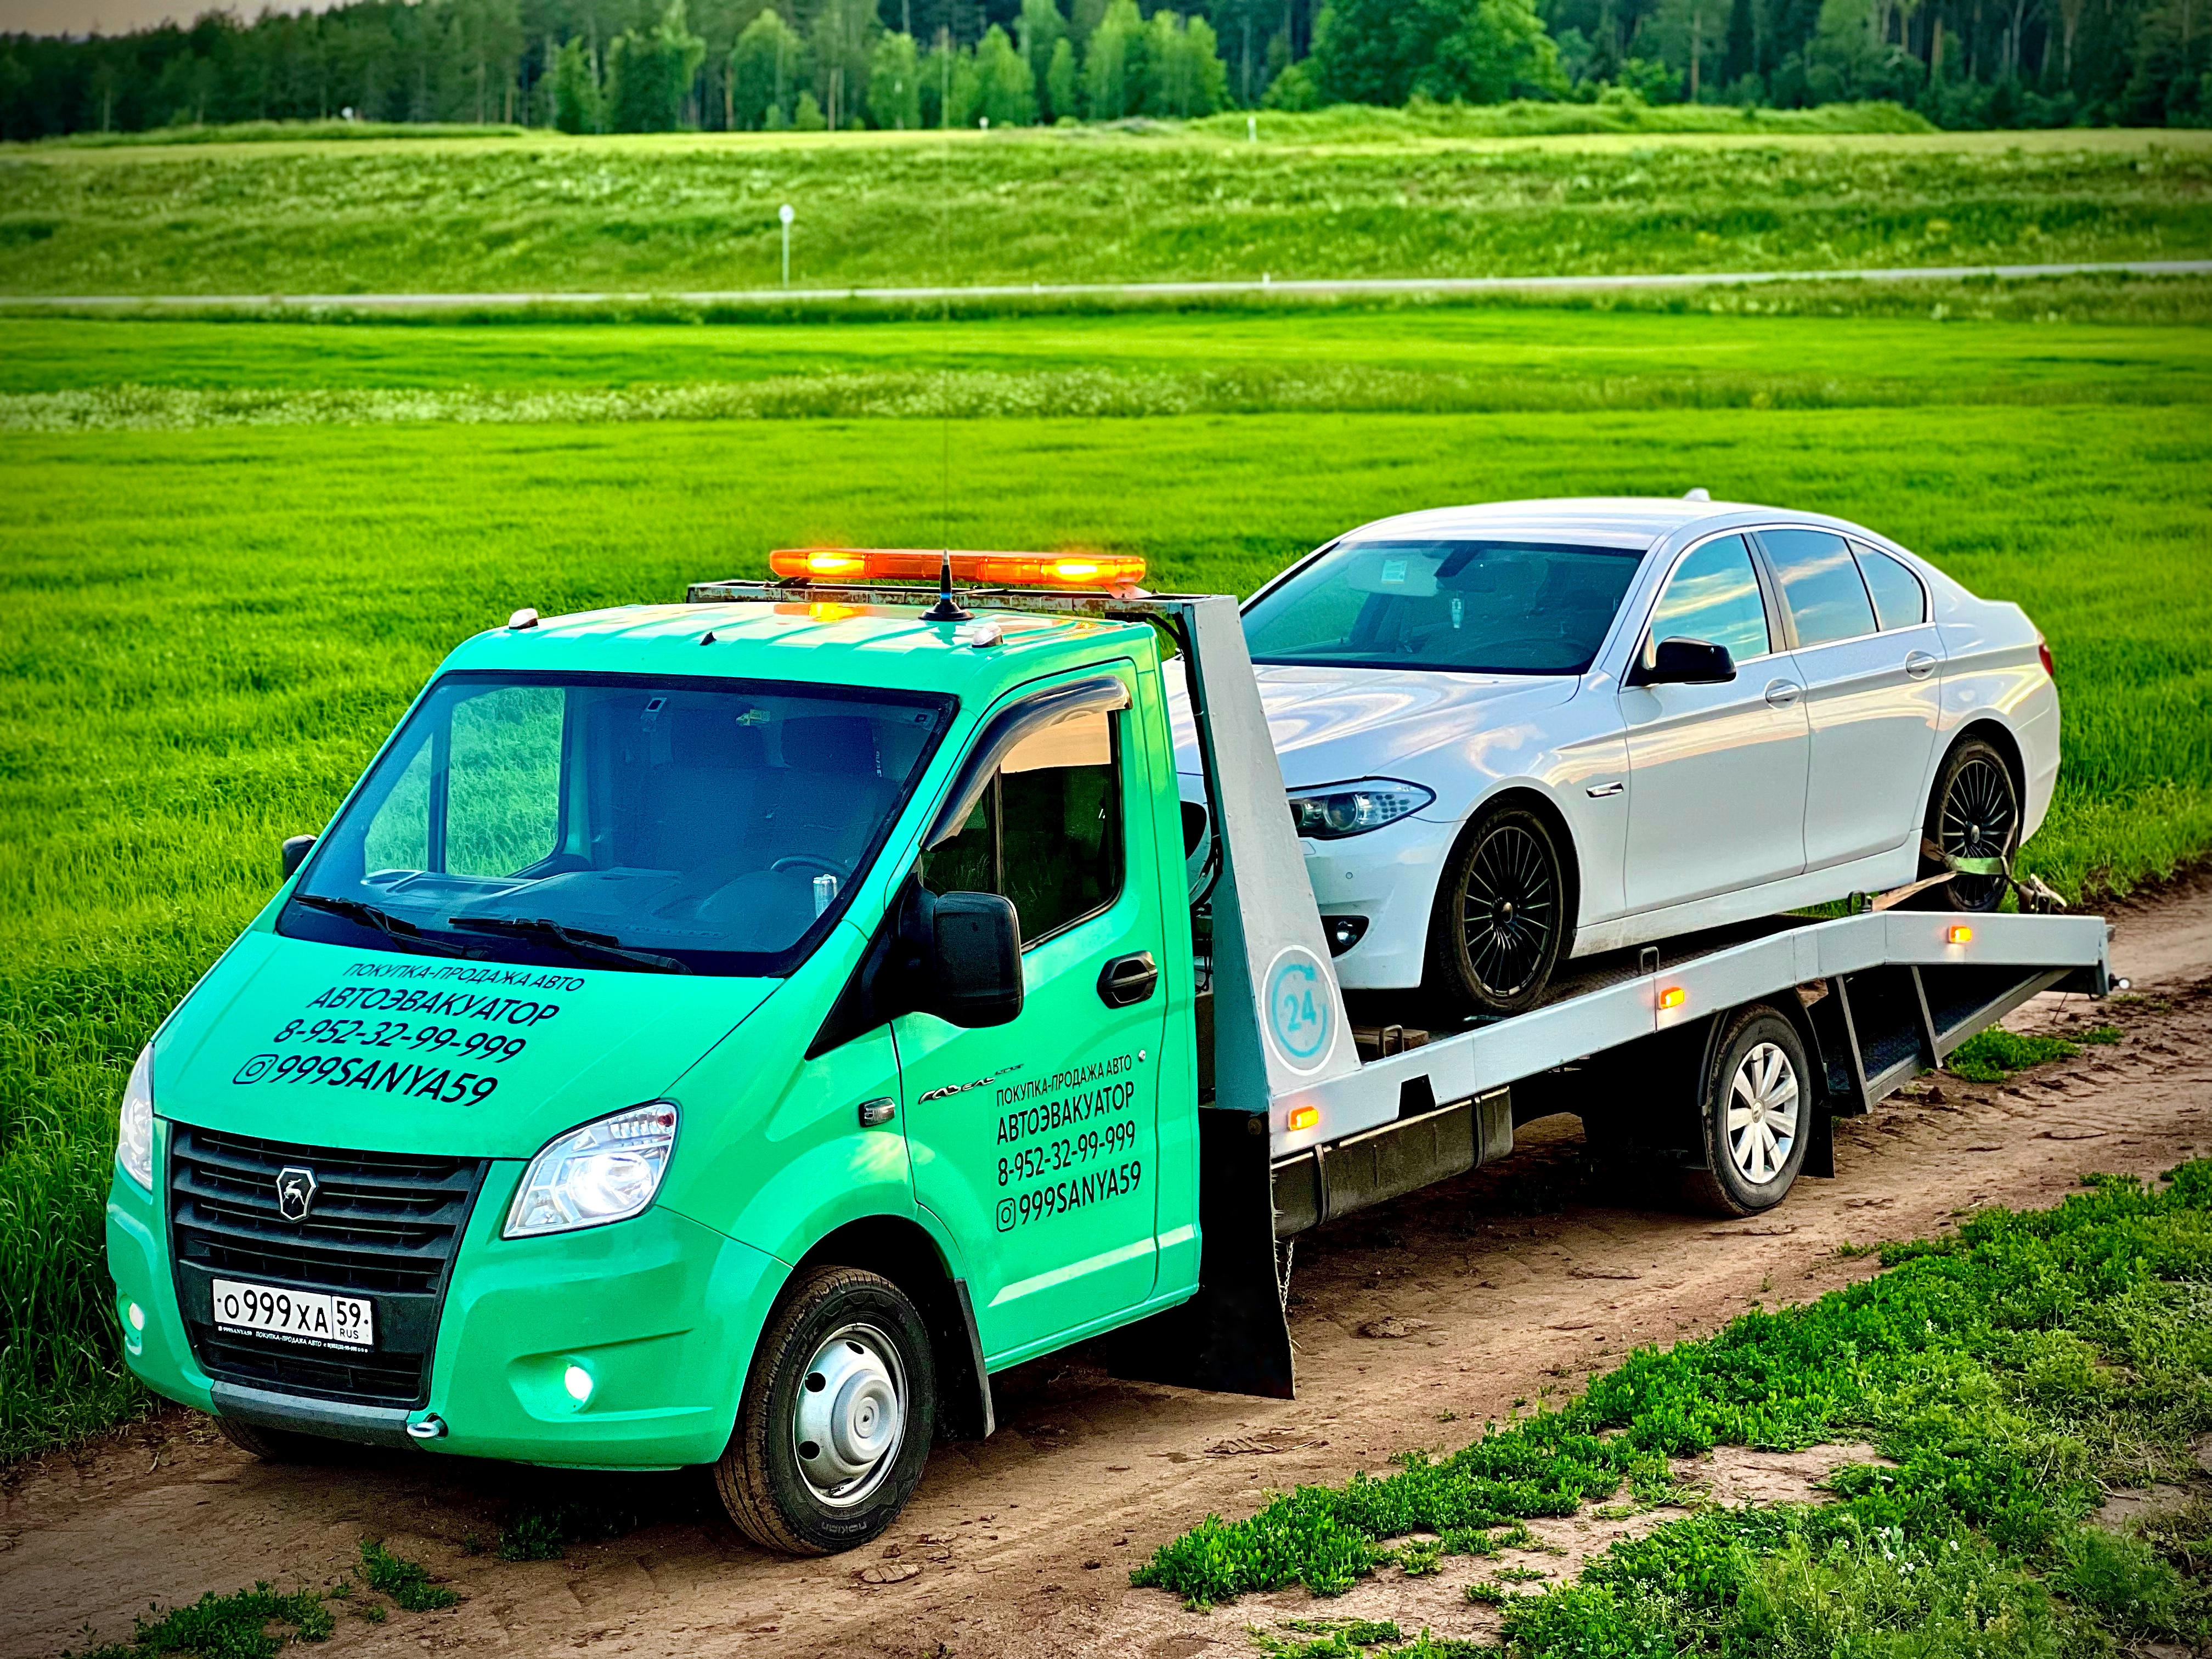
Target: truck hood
[[292, 1040], [1331, 724]]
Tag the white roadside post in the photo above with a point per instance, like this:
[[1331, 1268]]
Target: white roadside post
[[785, 214]]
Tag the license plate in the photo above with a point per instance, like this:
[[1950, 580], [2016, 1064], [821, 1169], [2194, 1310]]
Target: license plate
[[334, 1322]]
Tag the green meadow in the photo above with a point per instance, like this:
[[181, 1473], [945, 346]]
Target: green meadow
[[1310, 199], [207, 628]]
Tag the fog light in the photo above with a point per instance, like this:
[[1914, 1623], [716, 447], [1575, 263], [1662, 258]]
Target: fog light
[[137, 1315], [1301, 1117], [1344, 933], [1959, 935], [578, 1381]]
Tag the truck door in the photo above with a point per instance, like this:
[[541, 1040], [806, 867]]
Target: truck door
[[1035, 1142]]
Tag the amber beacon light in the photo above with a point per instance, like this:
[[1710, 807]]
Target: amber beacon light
[[1113, 571]]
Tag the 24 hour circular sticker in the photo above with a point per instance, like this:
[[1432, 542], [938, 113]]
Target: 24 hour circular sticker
[[1301, 1009]]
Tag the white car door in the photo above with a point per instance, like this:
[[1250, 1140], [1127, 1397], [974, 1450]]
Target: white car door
[[1717, 773], [1872, 693]]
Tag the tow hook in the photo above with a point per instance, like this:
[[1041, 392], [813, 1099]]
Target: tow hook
[[432, 1427]]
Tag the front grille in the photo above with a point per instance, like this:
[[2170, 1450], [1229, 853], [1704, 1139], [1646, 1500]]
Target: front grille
[[385, 1225]]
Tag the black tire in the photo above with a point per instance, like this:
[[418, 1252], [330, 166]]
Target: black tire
[[780, 1494], [1973, 811], [1751, 1165], [1503, 920], [278, 1445]]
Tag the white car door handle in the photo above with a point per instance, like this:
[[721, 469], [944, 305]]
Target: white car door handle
[[1919, 664], [1780, 694]]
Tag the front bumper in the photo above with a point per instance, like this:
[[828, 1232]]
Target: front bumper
[[659, 1312]]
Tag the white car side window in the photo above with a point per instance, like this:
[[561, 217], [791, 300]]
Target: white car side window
[[1898, 599], [1713, 596], [1820, 584]]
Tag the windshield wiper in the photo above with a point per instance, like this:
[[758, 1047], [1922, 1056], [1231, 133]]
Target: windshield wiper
[[400, 931], [606, 947]]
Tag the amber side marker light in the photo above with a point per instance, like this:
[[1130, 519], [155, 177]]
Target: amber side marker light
[[1672, 997], [1961, 935], [1301, 1117], [906, 564]]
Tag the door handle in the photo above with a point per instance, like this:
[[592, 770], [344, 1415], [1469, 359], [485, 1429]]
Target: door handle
[[1127, 980], [1919, 664], [1780, 694]]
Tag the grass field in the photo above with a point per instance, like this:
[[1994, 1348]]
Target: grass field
[[2013, 1375], [694, 211], [230, 551]]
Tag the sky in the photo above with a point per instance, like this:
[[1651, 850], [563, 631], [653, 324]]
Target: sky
[[121, 16]]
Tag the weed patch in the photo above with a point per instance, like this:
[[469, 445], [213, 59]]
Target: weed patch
[[407, 1583], [544, 1533], [2010, 1374], [1993, 1056], [234, 1626]]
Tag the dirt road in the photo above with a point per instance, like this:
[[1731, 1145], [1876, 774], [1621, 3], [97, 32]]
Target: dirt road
[[1510, 1285]]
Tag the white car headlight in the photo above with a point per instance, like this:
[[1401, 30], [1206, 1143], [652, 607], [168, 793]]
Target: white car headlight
[[1353, 809], [608, 1170], [134, 1130]]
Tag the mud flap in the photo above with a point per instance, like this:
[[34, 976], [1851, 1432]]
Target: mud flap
[[1231, 1337]]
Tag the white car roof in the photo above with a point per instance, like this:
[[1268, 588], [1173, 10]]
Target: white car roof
[[1622, 521]]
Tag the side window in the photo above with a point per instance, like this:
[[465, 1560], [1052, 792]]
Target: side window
[[1047, 833], [1820, 584], [1899, 601], [1713, 596]]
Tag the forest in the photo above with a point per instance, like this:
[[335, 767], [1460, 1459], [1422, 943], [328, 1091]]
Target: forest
[[659, 65]]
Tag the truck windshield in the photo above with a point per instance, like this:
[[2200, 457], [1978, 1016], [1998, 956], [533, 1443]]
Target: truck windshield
[[1476, 606], [685, 824]]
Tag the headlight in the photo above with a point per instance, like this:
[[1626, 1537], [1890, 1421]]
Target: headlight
[[605, 1171], [134, 1131], [1353, 809]]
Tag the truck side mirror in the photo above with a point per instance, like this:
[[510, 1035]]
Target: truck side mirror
[[1685, 662], [974, 960], [296, 848]]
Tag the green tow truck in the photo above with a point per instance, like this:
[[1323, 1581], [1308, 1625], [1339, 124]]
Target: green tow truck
[[725, 1033]]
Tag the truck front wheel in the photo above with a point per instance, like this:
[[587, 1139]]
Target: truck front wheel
[[836, 1419]]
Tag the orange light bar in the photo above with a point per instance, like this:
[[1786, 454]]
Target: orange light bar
[[1301, 1117], [904, 564], [1961, 935], [1672, 997]]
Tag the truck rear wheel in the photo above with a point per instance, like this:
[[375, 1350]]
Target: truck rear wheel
[[1756, 1096], [836, 1419]]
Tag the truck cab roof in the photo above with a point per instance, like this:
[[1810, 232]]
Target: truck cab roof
[[815, 640]]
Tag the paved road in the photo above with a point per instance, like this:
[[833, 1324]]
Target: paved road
[[1317, 288]]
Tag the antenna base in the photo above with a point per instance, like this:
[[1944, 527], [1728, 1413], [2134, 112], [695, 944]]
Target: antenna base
[[947, 610]]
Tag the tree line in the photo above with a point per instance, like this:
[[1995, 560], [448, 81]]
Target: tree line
[[658, 65]]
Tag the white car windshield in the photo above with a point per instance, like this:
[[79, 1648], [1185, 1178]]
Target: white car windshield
[[1494, 607], [669, 824]]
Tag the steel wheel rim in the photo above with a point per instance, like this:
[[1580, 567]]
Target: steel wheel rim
[[851, 1417], [1978, 821], [1509, 910], [1762, 1113]]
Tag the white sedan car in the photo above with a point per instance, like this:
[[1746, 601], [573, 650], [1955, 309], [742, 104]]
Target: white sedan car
[[1521, 732]]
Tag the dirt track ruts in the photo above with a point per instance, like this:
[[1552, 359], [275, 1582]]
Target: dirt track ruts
[[1023, 1543]]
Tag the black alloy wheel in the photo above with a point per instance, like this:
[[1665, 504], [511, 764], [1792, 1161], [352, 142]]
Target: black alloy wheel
[[1501, 924], [1974, 813]]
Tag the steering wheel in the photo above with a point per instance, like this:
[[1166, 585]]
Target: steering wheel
[[836, 867]]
